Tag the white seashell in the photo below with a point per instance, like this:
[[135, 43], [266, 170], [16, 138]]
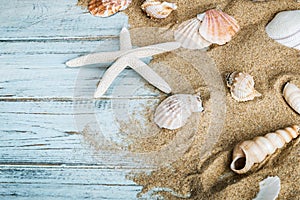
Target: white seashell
[[188, 35], [285, 28], [175, 110], [158, 10], [247, 153], [241, 86], [269, 188], [218, 27], [291, 94]]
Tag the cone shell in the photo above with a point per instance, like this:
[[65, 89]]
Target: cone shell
[[175, 110], [158, 10], [291, 94], [285, 28], [218, 27], [241, 86], [247, 153], [106, 8], [188, 35]]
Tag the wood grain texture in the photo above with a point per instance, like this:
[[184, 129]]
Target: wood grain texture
[[45, 106]]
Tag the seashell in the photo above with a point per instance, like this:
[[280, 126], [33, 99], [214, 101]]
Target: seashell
[[291, 94], [285, 28], [269, 188], [158, 10], [218, 27], [174, 111], [241, 86], [247, 153], [106, 8], [188, 35]]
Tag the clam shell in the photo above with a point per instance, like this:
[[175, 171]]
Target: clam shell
[[247, 153], [291, 94], [156, 9], [175, 110], [285, 28], [241, 86], [218, 27], [106, 8], [188, 35]]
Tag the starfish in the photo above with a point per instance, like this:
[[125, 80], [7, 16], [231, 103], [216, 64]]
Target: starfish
[[126, 56]]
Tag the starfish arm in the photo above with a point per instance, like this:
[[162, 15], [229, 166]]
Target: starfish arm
[[102, 57], [148, 74], [109, 76], [125, 40]]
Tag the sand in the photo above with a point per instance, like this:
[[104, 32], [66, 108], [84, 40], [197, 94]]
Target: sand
[[206, 175]]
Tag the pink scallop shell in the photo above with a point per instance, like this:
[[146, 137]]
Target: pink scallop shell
[[218, 27]]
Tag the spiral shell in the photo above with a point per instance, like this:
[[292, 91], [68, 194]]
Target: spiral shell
[[291, 94], [106, 8], [218, 27], [188, 35], [241, 86], [285, 28], [175, 110], [158, 10], [247, 153]]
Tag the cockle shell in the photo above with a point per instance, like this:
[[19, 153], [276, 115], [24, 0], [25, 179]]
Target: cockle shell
[[188, 35], [247, 153], [285, 28], [175, 110], [106, 8], [156, 9], [218, 27], [241, 86], [291, 94]]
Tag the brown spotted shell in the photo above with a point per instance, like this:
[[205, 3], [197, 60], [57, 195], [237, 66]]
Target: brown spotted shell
[[249, 152], [106, 8], [158, 10], [241, 86]]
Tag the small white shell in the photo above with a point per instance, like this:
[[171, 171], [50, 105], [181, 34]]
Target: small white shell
[[291, 94], [241, 86], [158, 10], [285, 28], [188, 35], [174, 111], [269, 188], [218, 27]]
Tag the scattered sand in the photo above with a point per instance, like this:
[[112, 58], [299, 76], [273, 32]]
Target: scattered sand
[[208, 176]]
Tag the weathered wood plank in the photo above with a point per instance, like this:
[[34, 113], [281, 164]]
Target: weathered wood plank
[[53, 19], [69, 182], [53, 132]]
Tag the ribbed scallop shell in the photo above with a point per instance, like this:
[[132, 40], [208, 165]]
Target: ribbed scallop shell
[[188, 35], [291, 94], [241, 86], [247, 153], [285, 28], [218, 27], [156, 9], [175, 110], [106, 8]]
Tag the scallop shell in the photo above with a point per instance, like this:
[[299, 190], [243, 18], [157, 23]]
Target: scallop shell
[[247, 153], [241, 86], [285, 28], [188, 35], [106, 8], [291, 94], [175, 110], [269, 188], [158, 10], [218, 27]]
